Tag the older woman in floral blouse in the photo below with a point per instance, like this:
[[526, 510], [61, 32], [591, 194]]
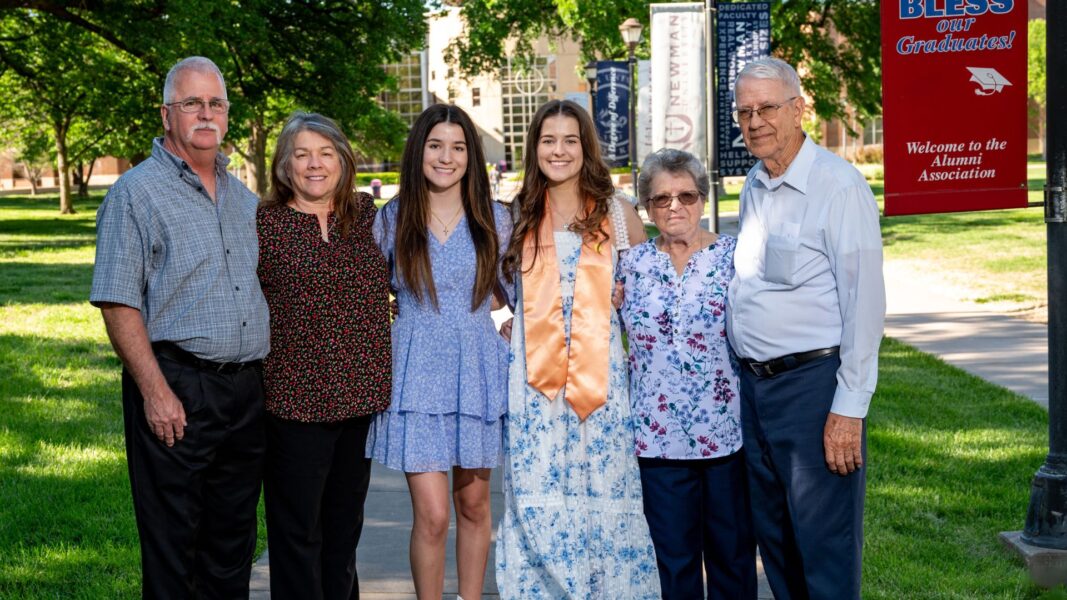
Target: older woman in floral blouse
[[684, 389]]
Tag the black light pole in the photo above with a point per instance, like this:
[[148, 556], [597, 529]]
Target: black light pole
[[631, 34], [1046, 525], [712, 123], [590, 78]]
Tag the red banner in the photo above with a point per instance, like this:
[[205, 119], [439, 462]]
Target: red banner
[[954, 105]]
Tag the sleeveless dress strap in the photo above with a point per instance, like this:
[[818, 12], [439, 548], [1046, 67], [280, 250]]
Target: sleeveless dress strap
[[618, 222]]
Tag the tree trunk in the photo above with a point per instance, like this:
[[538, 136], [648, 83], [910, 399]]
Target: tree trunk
[[83, 185], [31, 176], [257, 153], [66, 205]]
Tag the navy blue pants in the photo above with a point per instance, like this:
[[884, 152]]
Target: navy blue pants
[[808, 520], [698, 513]]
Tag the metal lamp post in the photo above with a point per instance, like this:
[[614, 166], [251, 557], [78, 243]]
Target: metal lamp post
[[631, 35], [590, 77]]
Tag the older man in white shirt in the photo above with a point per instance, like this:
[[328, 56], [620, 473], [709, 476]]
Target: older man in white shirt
[[805, 315]]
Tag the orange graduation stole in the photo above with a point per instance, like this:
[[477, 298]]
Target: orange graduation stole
[[549, 366]]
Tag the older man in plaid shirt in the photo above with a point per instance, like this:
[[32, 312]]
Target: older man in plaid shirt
[[175, 279]]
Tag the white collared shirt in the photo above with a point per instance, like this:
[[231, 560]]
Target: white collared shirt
[[809, 270]]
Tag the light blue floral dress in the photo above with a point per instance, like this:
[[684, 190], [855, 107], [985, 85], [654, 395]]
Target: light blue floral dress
[[573, 524], [449, 364]]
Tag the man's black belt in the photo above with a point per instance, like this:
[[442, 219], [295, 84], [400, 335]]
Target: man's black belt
[[171, 351], [776, 366]]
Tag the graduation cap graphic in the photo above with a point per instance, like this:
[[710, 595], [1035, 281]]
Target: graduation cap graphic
[[989, 80]]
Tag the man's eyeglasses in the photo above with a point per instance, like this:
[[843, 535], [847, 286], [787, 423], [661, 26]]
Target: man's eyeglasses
[[765, 112], [664, 200], [219, 106]]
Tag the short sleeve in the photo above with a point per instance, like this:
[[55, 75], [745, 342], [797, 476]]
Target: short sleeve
[[367, 211], [120, 270], [384, 230]]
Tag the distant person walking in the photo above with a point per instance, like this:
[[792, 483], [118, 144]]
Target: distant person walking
[[442, 236], [175, 279], [494, 178], [328, 371], [805, 314]]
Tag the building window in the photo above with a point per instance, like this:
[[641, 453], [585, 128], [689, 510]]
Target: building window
[[522, 93], [476, 97], [872, 132], [405, 98]]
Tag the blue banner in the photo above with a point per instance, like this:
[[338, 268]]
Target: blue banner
[[743, 34], [613, 111]]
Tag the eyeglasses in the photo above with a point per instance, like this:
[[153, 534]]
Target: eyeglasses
[[664, 200], [765, 112], [219, 106]]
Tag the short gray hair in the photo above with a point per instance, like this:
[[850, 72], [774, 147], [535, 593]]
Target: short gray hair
[[193, 63], [675, 162], [770, 68]]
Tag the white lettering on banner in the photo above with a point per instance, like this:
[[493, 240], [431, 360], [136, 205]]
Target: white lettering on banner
[[969, 154]]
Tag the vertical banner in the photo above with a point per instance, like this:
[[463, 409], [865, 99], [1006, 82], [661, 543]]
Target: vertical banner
[[613, 111], [743, 35], [954, 105], [679, 84], [644, 110]]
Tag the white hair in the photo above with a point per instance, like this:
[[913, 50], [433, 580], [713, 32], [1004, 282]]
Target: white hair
[[770, 68], [193, 63]]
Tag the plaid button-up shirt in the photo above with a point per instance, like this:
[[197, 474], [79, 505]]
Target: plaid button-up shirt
[[186, 262]]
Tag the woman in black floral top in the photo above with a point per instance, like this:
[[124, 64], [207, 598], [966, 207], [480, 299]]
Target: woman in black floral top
[[328, 370]]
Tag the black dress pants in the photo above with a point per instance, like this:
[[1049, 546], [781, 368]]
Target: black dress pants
[[195, 502], [315, 486]]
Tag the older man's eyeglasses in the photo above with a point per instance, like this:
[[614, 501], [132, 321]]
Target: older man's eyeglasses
[[765, 112], [219, 106], [664, 200]]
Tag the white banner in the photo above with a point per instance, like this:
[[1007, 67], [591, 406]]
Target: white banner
[[644, 110], [679, 80]]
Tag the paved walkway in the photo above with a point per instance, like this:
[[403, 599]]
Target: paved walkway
[[924, 311]]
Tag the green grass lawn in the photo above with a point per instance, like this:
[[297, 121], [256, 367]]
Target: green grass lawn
[[1001, 254], [950, 457], [66, 518]]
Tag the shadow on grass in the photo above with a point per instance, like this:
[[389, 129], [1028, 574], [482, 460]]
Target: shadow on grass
[[64, 492], [59, 283], [51, 202], [914, 227]]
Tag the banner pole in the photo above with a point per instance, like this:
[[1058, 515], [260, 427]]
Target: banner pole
[[711, 121]]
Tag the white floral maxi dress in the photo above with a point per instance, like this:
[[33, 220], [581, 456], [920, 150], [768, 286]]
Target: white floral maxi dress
[[573, 524]]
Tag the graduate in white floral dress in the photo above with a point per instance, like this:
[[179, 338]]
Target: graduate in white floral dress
[[573, 525]]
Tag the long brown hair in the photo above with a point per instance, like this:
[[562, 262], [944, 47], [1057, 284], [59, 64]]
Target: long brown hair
[[594, 182], [345, 208], [412, 254]]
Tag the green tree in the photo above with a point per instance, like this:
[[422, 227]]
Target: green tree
[[77, 84], [29, 146], [319, 55], [1036, 65], [838, 43]]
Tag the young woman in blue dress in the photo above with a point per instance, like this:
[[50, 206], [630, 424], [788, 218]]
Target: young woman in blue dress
[[443, 236]]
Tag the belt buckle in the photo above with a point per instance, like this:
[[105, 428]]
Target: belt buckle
[[223, 366]]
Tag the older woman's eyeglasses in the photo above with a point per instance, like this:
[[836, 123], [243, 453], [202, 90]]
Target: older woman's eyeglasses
[[664, 200], [765, 112], [219, 106]]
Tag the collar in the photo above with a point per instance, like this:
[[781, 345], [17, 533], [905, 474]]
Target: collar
[[160, 153], [796, 175]]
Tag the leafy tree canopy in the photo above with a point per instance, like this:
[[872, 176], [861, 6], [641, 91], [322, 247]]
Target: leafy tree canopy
[[1035, 59], [836, 43]]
